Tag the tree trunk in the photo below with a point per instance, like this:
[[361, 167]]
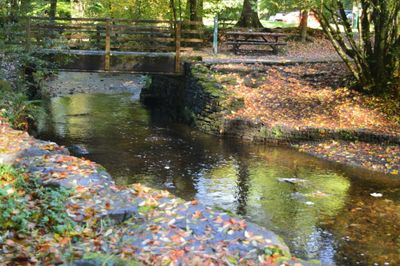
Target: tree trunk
[[200, 10], [180, 9], [303, 25], [53, 9], [249, 17], [173, 9], [195, 8], [14, 9], [194, 12], [25, 7], [373, 60]]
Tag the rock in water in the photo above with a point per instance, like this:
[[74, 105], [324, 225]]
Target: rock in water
[[292, 180], [78, 150]]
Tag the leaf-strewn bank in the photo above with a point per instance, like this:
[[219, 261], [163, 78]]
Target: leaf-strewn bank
[[288, 100], [154, 227], [301, 105]]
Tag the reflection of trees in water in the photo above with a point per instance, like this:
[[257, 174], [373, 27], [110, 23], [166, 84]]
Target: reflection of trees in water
[[243, 186], [240, 155], [249, 181]]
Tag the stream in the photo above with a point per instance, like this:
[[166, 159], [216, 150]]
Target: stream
[[323, 211]]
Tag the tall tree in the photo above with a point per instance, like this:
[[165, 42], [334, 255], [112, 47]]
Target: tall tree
[[303, 24], [53, 9], [374, 55], [173, 9], [25, 7], [14, 9], [249, 17], [195, 10]]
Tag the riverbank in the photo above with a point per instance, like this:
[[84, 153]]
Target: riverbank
[[154, 227], [306, 106]]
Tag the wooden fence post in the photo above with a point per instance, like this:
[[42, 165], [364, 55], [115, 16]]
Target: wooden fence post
[[178, 31], [107, 57], [98, 37], [28, 35], [215, 36]]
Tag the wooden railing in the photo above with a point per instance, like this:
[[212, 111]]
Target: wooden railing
[[107, 35]]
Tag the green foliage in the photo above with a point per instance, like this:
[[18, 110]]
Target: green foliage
[[230, 213], [27, 206], [373, 55], [42, 8], [278, 132], [273, 251], [188, 115], [275, 132], [5, 86], [16, 108], [33, 8], [273, 6], [99, 259], [28, 70], [145, 209], [131, 9], [228, 10]]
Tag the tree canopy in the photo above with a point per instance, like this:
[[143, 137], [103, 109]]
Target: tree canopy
[[373, 52]]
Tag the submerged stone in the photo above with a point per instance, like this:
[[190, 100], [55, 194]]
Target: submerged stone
[[78, 150], [292, 180]]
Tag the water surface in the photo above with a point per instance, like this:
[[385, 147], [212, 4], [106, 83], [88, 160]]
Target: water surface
[[327, 214]]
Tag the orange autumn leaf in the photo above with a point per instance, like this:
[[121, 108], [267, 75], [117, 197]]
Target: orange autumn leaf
[[65, 241], [176, 238], [197, 215], [176, 254]]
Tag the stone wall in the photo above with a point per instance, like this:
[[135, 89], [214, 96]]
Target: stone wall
[[196, 98]]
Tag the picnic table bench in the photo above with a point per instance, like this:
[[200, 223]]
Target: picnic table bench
[[239, 38]]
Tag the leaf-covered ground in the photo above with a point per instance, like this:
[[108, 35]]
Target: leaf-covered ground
[[131, 224], [376, 157], [307, 95], [316, 50], [300, 97]]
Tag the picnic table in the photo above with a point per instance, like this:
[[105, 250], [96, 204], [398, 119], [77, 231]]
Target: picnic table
[[239, 38]]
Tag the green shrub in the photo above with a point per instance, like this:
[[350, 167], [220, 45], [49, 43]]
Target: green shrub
[[16, 108], [26, 206]]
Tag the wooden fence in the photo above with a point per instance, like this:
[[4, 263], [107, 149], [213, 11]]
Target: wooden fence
[[106, 34]]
